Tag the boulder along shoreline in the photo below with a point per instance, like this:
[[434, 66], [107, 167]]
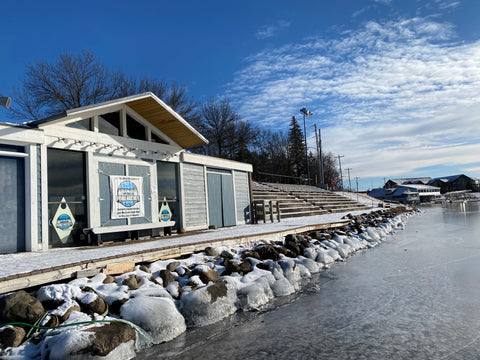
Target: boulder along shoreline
[[113, 317]]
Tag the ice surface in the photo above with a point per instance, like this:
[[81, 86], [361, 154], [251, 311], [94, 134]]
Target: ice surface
[[157, 315]]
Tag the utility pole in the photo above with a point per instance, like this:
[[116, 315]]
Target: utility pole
[[349, 182], [356, 179], [318, 137], [340, 165], [305, 113]]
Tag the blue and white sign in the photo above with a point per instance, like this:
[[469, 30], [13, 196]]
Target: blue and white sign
[[63, 221], [127, 197], [165, 214]]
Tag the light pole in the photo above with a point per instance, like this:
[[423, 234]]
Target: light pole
[[305, 113], [349, 182], [340, 165]]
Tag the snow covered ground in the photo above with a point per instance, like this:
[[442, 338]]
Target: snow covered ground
[[11, 264]]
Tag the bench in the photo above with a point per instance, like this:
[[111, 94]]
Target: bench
[[95, 233]]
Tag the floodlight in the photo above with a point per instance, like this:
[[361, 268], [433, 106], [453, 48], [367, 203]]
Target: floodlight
[[5, 101]]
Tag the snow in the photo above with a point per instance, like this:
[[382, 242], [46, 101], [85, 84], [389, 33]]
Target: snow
[[200, 309], [156, 315]]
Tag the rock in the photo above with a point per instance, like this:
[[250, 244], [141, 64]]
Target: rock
[[114, 308], [173, 265], [245, 267], [11, 336], [210, 251], [152, 279], [109, 279], [226, 255], [20, 306], [230, 267], [69, 311], [166, 277], [217, 290], [52, 304], [108, 338], [268, 252], [263, 266], [206, 274], [97, 306], [282, 250], [145, 268], [131, 282], [250, 253], [293, 247]]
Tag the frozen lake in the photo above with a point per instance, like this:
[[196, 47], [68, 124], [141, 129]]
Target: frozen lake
[[417, 296]]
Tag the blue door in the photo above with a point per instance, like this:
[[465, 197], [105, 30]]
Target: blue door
[[12, 200], [221, 204]]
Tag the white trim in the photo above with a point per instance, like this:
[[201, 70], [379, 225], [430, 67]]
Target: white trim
[[44, 187], [205, 184], [215, 162], [10, 134], [31, 200], [14, 154], [182, 195], [234, 197], [134, 227], [93, 193]]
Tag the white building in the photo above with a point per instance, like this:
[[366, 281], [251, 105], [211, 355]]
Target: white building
[[104, 170]]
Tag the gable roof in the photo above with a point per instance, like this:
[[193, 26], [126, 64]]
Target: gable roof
[[152, 109], [446, 179]]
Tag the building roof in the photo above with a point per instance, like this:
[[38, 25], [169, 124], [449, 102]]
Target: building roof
[[419, 180], [446, 179], [151, 108]]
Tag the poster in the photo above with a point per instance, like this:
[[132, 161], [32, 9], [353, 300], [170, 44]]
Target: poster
[[127, 197]]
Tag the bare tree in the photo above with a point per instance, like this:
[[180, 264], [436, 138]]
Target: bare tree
[[79, 80], [228, 134]]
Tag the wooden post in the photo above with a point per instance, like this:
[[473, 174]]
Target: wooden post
[[278, 211], [271, 210]]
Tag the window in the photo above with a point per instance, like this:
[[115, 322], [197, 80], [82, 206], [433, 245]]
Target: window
[[157, 139], [109, 123], [84, 124], [135, 130]]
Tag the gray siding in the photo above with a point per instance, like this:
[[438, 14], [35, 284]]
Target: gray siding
[[195, 200], [242, 196]]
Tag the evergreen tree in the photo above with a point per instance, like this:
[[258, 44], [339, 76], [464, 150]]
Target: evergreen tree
[[296, 149]]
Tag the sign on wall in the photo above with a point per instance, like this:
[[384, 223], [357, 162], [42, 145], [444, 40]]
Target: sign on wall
[[63, 221], [127, 197]]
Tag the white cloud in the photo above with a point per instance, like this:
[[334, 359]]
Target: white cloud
[[269, 31], [392, 97]]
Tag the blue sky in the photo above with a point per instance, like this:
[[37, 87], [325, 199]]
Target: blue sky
[[393, 84]]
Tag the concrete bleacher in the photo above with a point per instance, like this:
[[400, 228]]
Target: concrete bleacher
[[303, 200]]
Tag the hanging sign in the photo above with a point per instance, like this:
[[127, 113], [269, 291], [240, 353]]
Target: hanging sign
[[127, 197], [165, 214], [63, 221]]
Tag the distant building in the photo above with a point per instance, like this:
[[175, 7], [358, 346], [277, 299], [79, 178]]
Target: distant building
[[402, 194], [454, 183], [407, 194], [406, 181]]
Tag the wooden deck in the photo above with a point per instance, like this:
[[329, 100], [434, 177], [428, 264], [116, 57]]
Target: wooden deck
[[94, 266]]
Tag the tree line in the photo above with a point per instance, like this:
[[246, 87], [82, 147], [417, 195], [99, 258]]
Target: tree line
[[76, 80]]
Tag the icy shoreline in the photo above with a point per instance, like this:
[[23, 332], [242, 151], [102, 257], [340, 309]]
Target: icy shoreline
[[165, 298]]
